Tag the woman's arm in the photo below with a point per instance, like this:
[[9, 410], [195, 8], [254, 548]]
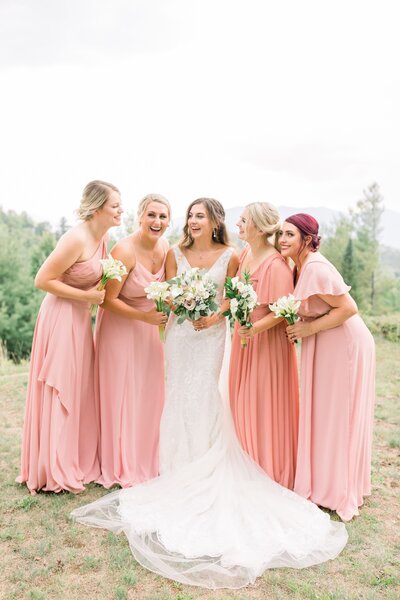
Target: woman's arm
[[343, 307], [171, 267], [67, 252], [123, 251], [267, 322]]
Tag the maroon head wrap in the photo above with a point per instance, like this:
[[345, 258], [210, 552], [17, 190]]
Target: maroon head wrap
[[307, 225]]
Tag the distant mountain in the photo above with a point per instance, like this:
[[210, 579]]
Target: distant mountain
[[390, 221]]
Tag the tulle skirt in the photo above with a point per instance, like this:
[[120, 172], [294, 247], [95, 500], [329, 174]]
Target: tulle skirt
[[218, 521]]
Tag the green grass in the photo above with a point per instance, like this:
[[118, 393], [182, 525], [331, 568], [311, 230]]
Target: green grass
[[47, 556]]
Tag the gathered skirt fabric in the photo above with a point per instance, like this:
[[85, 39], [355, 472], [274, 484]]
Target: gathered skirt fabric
[[60, 436]]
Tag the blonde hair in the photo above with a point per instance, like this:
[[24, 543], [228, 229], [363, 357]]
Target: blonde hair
[[94, 196], [216, 214], [266, 218], [143, 204]]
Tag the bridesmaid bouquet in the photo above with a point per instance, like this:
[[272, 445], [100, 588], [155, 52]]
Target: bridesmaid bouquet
[[159, 292], [286, 307], [243, 300], [112, 269], [193, 295]]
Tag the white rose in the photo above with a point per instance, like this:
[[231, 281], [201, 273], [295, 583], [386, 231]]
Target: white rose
[[189, 304]]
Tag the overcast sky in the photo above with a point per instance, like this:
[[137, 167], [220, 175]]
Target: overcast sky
[[292, 102]]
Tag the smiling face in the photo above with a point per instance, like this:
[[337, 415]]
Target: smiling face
[[247, 229], [154, 220], [198, 222], [290, 241], [111, 210]]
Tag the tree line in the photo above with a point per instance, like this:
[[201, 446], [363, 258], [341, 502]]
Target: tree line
[[352, 245]]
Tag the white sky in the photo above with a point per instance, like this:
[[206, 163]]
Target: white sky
[[293, 102]]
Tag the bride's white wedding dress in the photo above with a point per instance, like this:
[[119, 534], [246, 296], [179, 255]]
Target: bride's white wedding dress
[[212, 518]]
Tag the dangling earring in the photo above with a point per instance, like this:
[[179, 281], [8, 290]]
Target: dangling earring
[[214, 233]]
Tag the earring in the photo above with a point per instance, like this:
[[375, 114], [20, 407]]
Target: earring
[[214, 234]]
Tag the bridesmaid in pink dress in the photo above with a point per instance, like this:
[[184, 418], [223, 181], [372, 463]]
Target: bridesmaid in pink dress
[[129, 366], [60, 437], [337, 378], [263, 376]]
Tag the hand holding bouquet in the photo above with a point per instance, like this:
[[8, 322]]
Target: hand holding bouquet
[[159, 291], [243, 300], [193, 295], [286, 307], [112, 269]]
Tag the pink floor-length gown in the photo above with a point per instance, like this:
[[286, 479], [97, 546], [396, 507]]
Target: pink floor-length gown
[[263, 382], [60, 435], [336, 399], [129, 368]]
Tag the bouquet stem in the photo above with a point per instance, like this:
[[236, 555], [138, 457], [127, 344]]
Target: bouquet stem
[[161, 331], [93, 307]]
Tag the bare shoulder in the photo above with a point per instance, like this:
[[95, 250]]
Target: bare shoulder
[[234, 259], [171, 258], [233, 264], [72, 242], [170, 264], [124, 250]]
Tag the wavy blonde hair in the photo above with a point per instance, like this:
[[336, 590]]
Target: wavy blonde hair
[[267, 219], [143, 204], [94, 196]]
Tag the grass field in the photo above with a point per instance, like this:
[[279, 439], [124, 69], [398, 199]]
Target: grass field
[[44, 555]]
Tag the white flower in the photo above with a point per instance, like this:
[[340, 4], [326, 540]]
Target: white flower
[[190, 303], [157, 290], [234, 282], [175, 291], [286, 307], [234, 306], [112, 269]]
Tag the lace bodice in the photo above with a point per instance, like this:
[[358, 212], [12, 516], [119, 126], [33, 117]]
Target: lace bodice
[[217, 271], [192, 408]]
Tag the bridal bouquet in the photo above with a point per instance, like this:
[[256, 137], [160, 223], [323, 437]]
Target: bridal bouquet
[[192, 295], [112, 269], [159, 292], [286, 307], [243, 300]]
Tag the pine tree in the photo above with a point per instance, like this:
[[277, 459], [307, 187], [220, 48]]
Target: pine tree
[[349, 271], [367, 218]]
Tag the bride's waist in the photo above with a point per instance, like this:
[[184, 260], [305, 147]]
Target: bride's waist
[[186, 328]]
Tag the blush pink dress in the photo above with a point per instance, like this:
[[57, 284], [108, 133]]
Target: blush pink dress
[[336, 399], [263, 382], [129, 370], [60, 436]]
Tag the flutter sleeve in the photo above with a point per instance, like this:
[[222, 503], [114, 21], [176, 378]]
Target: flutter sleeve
[[320, 278], [274, 281]]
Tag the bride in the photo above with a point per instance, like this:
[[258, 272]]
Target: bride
[[212, 518]]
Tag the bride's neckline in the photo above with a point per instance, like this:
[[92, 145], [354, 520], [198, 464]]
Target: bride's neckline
[[205, 268]]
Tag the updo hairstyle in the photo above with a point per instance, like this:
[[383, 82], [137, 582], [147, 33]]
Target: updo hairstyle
[[308, 226], [266, 218], [94, 196]]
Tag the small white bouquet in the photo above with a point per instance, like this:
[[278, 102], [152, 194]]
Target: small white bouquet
[[243, 300], [159, 291], [112, 269], [193, 295], [286, 307]]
